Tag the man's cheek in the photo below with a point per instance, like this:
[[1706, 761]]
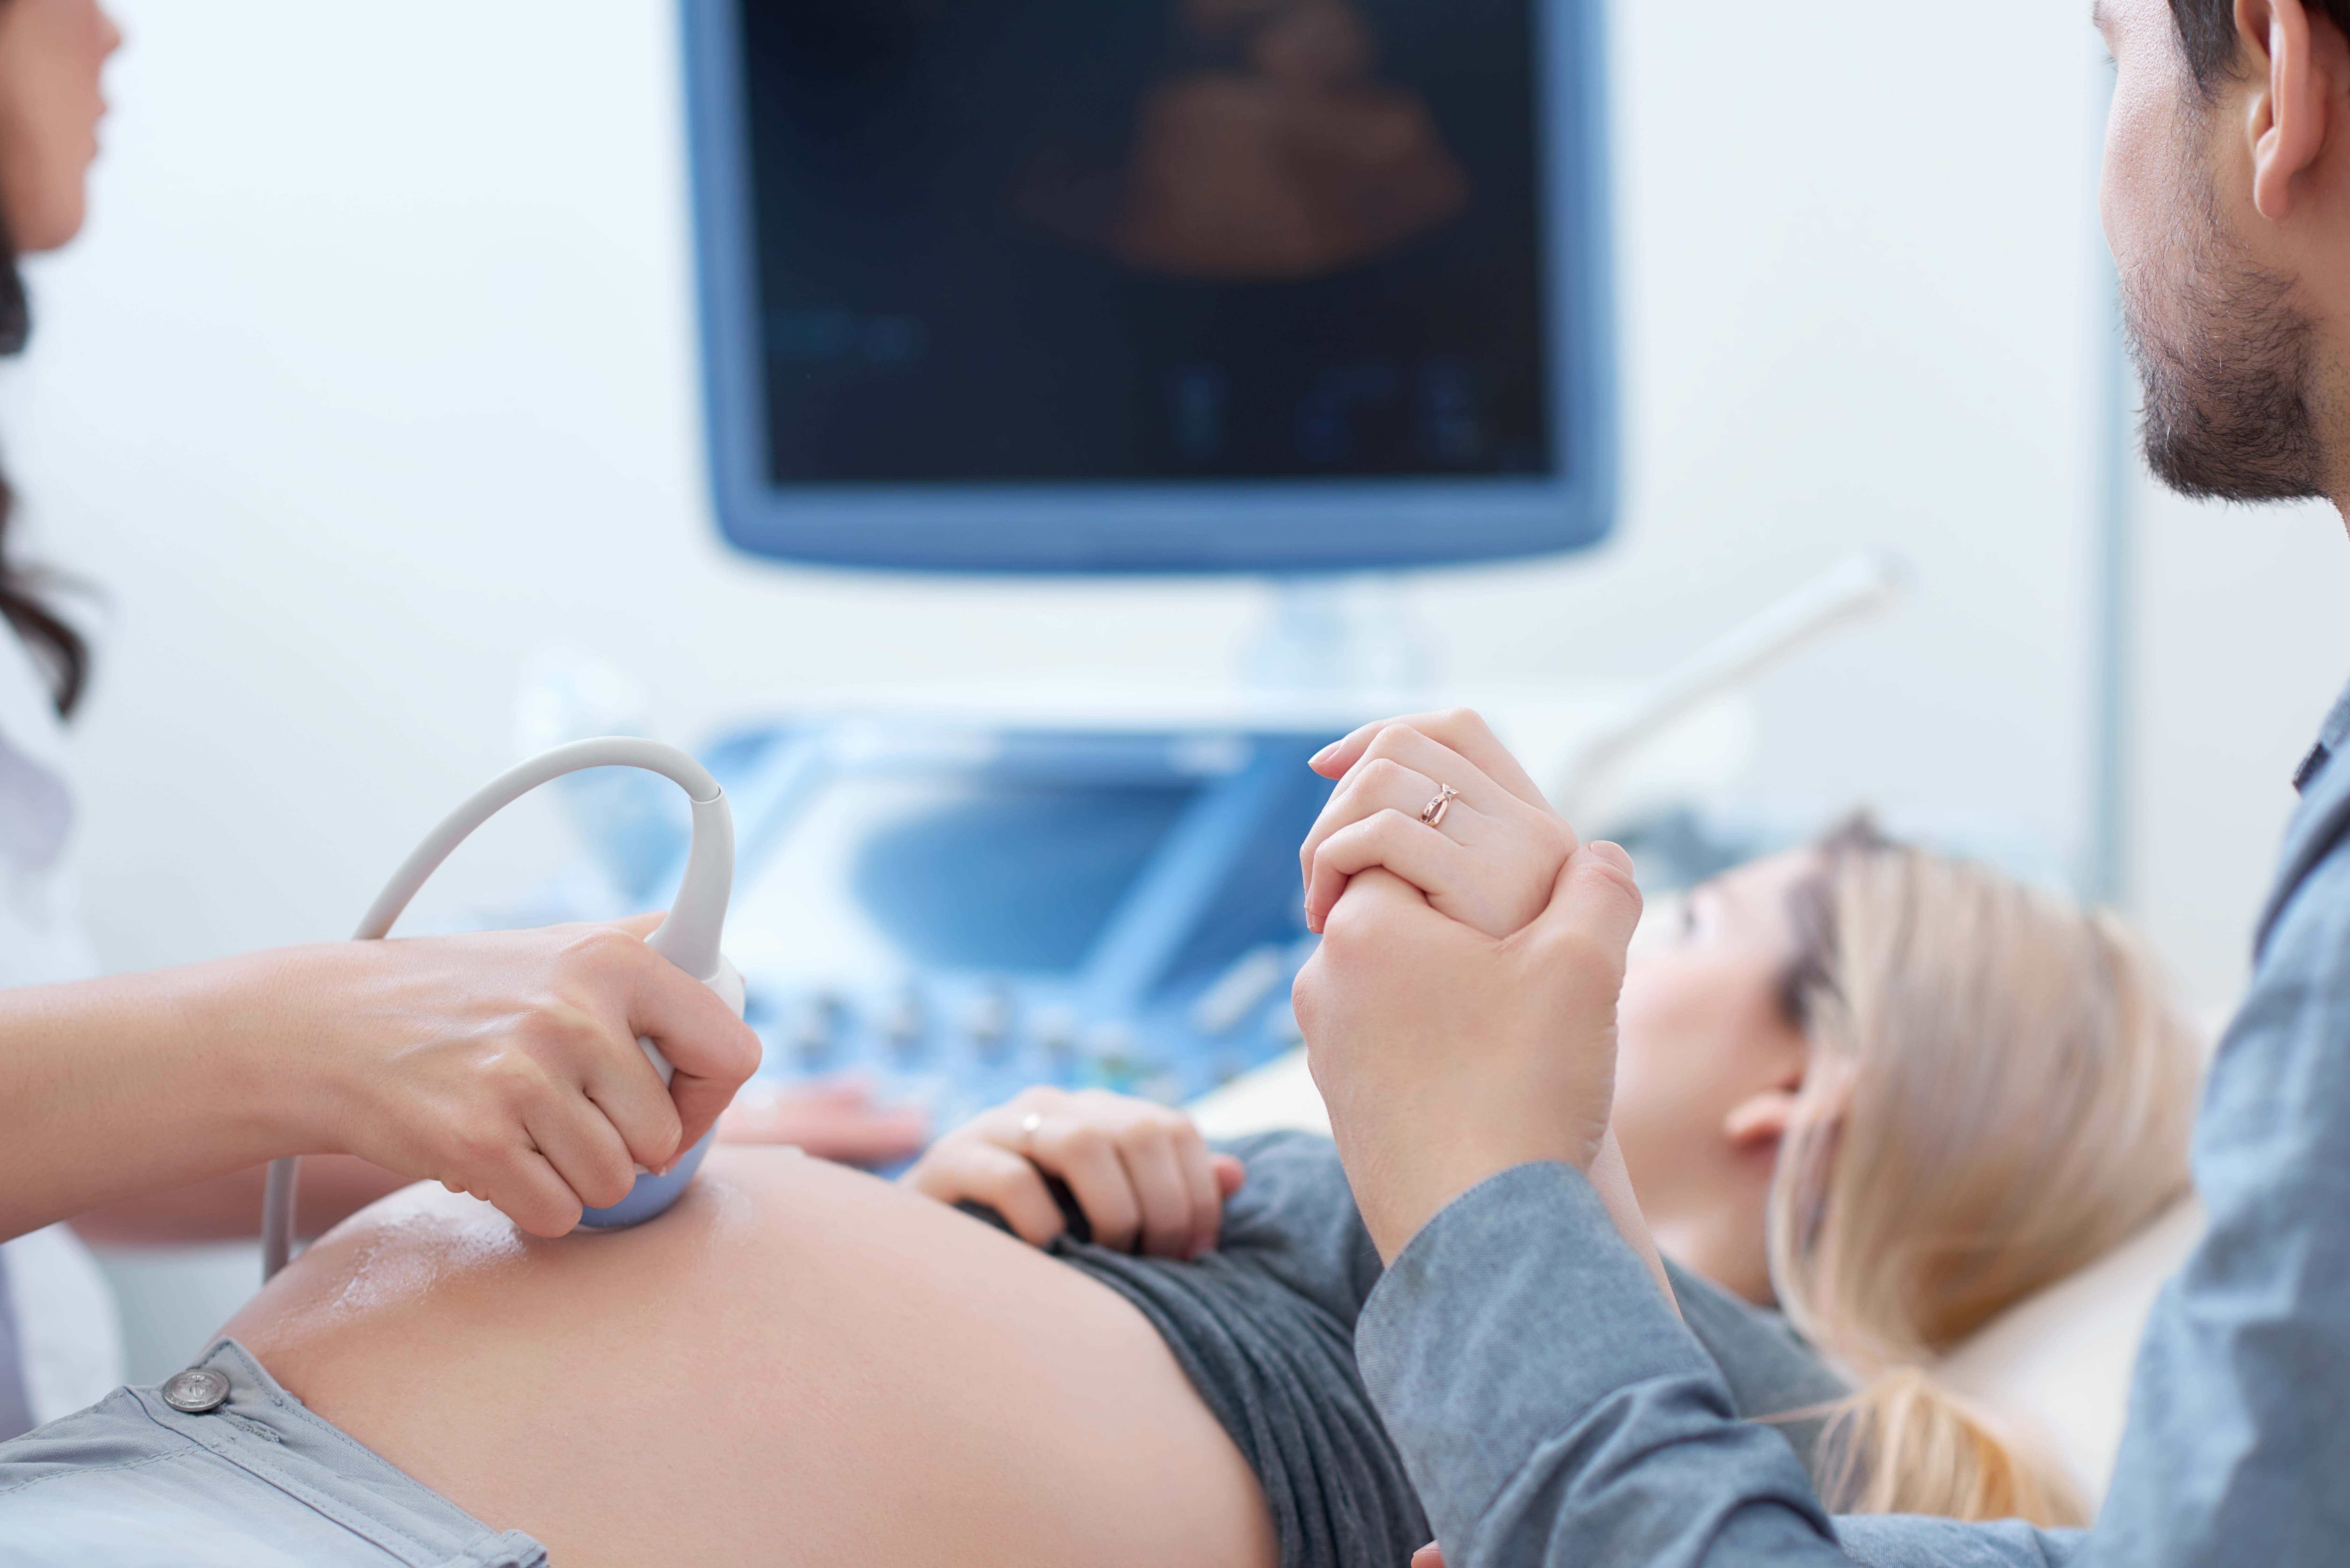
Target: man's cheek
[[2134, 185]]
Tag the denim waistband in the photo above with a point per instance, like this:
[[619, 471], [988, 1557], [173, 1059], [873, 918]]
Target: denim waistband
[[111, 1482]]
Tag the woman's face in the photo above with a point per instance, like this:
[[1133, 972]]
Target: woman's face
[[51, 52], [1707, 1062]]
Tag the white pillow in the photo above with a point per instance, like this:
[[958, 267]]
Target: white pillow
[[1276, 1098], [2057, 1364]]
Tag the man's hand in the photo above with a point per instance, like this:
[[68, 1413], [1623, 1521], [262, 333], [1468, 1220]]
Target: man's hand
[[1446, 1055]]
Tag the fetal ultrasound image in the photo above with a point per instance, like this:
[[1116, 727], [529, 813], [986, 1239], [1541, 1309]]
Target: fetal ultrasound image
[[1106, 240]]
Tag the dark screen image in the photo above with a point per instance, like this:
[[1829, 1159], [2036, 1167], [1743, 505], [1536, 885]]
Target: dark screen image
[[1103, 240]]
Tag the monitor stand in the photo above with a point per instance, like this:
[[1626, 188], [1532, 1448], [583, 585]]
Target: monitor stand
[[1338, 635]]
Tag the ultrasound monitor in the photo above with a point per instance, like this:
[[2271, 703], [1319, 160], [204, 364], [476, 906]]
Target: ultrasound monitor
[[1152, 285]]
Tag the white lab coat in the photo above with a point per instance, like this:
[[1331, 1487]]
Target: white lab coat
[[66, 1329]]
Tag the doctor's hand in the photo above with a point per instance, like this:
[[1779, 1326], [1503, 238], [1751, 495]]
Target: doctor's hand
[[1488, 861], [505, 1063], [1141, 1172], [1446, 1055]]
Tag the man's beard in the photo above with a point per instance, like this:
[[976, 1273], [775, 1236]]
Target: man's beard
[[2227, 411]]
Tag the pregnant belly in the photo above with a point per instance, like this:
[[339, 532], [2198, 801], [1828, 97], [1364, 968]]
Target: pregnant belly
[[799, 1362]]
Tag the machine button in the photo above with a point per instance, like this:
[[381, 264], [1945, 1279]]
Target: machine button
[[988, 1020], [198, 1391], [814, 1028], [1056, 1032], [901, 1020], [1164, 1087], [1114, 1062], [1236, 993]]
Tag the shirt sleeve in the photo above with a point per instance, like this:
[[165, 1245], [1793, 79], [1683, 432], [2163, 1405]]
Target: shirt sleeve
[[1552, 1410]]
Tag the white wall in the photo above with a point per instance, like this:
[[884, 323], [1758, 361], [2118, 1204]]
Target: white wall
[[374, 371], [2241, 644]]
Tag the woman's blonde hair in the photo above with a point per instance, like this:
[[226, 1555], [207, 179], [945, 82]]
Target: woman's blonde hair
[[1998, 1094]]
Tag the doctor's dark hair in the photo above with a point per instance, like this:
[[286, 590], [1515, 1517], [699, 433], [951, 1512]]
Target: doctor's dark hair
[[55, 643], [2207, 32]]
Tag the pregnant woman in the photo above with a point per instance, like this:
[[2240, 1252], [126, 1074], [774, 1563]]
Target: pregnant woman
[[1886, 1092]]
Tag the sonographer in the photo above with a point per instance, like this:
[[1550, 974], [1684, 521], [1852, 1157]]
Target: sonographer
[[503, 1065]]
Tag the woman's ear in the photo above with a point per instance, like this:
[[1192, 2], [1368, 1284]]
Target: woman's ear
[[1760, 1119]]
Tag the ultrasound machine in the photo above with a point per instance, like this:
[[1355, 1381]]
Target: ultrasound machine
[[1290, 287]]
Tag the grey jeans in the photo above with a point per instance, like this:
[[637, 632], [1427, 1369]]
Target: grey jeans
[[259, 1482]]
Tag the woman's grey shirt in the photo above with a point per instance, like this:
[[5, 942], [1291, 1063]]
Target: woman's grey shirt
[[1264, 1328], [1623, 1447]]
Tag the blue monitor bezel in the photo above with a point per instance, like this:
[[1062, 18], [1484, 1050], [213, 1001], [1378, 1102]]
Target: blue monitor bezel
[[1292, 525]]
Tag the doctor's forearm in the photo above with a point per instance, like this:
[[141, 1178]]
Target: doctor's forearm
[[135, 1083], [228, 1208]]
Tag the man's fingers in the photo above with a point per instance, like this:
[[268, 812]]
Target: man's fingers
[[1428, 1556], [1376, 896], [1412, 850], [1593, 906]]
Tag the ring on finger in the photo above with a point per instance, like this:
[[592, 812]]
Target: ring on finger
[[1029, 1124], [1433, 813]]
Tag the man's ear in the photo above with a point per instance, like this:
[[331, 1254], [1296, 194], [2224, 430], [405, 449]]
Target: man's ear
[[1760, 1120], [2295, 99]]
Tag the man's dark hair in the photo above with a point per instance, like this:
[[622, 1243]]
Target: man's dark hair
[[2207, 31]]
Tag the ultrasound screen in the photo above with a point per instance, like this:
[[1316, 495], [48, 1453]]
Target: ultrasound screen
[[1147, 240]]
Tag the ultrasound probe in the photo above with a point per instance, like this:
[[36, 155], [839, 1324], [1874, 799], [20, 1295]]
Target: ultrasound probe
[[687, 938]]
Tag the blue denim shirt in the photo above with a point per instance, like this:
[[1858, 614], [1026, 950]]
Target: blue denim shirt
[[1620, 1448]]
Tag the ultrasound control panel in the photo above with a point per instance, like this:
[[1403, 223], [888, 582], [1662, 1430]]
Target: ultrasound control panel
[[954, 913]]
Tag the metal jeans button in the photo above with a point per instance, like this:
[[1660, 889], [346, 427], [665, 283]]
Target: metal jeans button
[[197, 1391]]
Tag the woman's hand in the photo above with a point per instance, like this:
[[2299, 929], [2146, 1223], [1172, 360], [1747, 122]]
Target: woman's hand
[[836, 1121], [1141, 1172], [505, 1063], [1489, 862]]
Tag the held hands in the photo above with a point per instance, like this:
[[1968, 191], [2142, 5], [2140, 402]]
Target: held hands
[[1488, 862], [505, 1063], [1450, 1044], [1141, 1172]]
